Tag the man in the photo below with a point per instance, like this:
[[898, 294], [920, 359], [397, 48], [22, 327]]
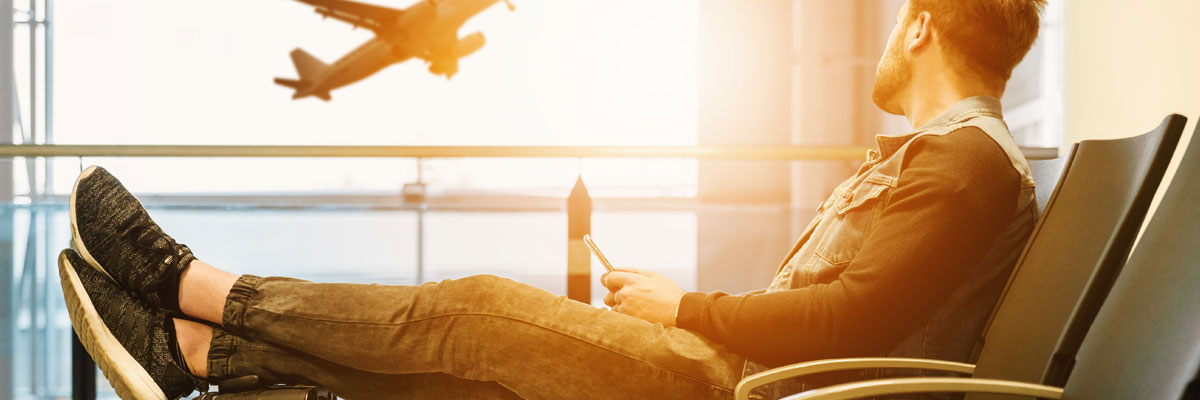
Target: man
[[906, 258]]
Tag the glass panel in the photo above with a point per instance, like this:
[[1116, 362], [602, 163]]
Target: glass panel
[[555, 177], [1029, 134], [41, 331], [530, 247], [312, 244], [199, 74], [659, 241], [550, 73], [246, 175], [383, 176], [1026, 82]]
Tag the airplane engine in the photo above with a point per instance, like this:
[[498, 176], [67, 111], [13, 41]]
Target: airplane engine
[[447, 67], [469, 44]]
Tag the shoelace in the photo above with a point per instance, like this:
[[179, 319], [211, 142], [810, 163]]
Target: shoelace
[[138, 229]]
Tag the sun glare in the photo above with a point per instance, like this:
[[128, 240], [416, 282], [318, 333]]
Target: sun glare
[[551, 73]]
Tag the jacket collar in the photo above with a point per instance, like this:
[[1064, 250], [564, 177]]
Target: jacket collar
[[964, 109]]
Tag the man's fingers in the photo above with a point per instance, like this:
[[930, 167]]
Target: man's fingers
[[610, 299], [616, 280]]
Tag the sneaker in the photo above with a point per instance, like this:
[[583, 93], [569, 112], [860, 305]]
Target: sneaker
[[112, 232], [133, 343]]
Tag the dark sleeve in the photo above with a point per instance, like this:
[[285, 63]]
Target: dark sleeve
[[954, 196]]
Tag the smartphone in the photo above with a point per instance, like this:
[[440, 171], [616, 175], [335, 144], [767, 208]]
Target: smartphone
[[596, 250]]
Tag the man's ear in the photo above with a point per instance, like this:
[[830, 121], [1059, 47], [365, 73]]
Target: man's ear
[[920, 34]]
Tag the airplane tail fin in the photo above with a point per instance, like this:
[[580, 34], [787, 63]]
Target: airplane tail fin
[[292, 83], [308, 67], [306, 64], [299, 85]]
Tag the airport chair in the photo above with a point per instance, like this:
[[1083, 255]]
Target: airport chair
[[1145, 340], [1046, 174], [1193, 389], [1089, 222]]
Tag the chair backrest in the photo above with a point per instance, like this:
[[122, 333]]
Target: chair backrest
[[1192, 391], [1145, 342], [1046, 174], [1097, 207]]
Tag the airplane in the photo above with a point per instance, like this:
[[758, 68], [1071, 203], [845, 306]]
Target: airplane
[[427, 30]]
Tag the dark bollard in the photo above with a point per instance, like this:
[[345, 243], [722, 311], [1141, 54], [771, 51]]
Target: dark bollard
[[579, 258]]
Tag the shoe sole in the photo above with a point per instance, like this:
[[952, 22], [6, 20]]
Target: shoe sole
[[76, 242], [126, 375]]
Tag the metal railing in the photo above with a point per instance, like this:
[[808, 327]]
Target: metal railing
[[764, 153]]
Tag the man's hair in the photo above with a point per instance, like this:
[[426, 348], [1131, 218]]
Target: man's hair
[[989, 37]]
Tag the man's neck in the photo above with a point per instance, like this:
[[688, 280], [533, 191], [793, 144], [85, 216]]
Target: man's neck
[[929, 98]]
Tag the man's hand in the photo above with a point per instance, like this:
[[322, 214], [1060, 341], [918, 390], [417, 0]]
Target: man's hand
[[643, 294]]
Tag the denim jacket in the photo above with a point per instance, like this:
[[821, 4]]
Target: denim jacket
[[844, 219]]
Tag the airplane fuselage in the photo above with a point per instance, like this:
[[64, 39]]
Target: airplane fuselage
[[424, 30], [363, 61]]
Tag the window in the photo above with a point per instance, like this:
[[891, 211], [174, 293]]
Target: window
[[151, 72], [551, 73]]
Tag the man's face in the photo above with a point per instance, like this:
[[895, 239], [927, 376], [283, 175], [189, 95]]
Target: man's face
[[894, 72]]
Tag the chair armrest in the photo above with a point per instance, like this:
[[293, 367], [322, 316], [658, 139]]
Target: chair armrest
[[742, 392], [885, 387]]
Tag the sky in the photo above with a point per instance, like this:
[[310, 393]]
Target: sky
[[562, 72]]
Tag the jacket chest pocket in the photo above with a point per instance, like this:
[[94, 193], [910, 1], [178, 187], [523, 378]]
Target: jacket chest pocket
[[850, 217]]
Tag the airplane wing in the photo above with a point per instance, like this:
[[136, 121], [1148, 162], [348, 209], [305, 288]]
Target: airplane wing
[[368, 16]]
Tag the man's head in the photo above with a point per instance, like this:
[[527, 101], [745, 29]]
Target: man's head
[[972, 42]]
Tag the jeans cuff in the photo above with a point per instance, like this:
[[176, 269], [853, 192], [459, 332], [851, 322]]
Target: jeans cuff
[[233, 316], [220, 350]]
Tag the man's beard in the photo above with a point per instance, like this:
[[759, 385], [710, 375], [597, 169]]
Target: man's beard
[[891, 78]]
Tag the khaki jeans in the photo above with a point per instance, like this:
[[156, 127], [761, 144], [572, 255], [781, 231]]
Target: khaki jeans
[[476, 337]]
